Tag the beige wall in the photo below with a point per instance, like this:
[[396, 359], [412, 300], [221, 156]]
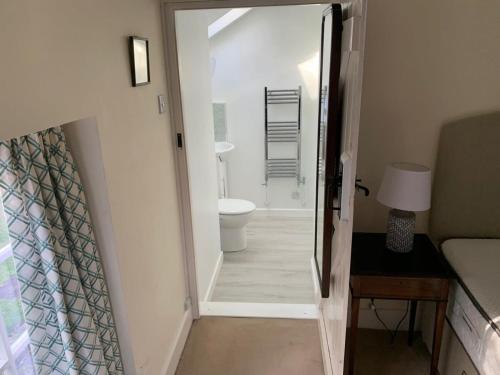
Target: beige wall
[[64, 60], [426, 62], [83, 140]]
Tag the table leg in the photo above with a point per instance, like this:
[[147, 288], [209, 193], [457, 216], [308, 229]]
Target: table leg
[[353, 332], [438, 333], [411, 328]]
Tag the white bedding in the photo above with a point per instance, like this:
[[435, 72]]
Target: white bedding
[[477, 262]]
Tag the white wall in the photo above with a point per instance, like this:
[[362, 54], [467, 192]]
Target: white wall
[[276, 47], [83, 141], [193, 50], [68, 60]]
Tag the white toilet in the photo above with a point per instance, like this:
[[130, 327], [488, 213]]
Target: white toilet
[[234, 215]]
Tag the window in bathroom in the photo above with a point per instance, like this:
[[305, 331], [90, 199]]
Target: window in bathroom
[[220, 129]]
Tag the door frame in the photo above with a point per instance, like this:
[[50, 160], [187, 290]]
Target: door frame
[[168, 9]]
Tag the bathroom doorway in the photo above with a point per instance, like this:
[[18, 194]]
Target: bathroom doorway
[[189, 76], [250, 97]]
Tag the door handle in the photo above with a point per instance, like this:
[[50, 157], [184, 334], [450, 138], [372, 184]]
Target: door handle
[[362, 188]]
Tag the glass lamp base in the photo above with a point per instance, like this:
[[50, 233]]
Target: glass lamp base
[[400, 230]]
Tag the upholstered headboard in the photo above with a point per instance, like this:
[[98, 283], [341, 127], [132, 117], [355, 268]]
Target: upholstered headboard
[[466, 191]]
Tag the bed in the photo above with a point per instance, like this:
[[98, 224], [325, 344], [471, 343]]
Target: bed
[[474, 304], [465, 224]]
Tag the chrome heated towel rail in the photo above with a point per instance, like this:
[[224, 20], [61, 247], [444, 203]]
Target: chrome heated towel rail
[[282, 132]]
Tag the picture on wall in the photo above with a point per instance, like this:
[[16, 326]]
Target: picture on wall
[[139, 60]]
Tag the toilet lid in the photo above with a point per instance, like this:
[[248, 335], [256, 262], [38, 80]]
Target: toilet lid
[[235, 206]]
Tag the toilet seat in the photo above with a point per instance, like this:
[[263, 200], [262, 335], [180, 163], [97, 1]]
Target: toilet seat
[[235, 206]]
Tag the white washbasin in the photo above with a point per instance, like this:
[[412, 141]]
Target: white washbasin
[[222, 148]]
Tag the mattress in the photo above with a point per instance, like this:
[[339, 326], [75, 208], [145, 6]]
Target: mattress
[[474, 303]]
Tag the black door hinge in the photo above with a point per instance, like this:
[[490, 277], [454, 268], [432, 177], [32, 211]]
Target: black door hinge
[[179, 140]]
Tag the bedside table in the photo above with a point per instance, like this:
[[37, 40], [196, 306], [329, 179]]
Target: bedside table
[[420, 275]]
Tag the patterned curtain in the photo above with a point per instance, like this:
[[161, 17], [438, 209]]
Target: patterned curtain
[[63, 291]]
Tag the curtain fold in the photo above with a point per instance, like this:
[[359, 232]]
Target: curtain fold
[[64, 294]]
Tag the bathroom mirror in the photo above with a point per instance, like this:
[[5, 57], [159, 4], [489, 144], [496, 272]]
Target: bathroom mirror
[[328, 136]]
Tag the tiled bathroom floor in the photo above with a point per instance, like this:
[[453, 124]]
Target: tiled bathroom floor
[[276, 266]]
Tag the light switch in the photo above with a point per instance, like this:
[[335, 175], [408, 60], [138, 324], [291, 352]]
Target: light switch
[[161, 103]]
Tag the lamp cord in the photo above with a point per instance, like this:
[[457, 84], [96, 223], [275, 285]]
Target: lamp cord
[[395, 332]]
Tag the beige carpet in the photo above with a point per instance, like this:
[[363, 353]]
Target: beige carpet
[[241, 346], [376, 356]]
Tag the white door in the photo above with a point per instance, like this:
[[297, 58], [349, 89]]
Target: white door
[[334, 307]]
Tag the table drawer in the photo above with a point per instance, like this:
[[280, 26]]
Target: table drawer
[[399, 288]]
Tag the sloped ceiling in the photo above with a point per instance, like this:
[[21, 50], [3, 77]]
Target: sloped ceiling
[[226, 19]]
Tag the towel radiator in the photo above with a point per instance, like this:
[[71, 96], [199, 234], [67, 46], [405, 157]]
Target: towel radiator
[[283, 132]]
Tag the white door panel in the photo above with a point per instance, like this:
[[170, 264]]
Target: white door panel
[[334, 308]]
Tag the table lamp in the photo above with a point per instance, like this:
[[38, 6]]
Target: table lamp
[[406, 188]]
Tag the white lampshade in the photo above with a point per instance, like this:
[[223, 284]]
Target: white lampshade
[[406, 186]]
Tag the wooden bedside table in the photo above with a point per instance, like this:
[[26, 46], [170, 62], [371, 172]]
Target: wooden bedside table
[[421, 275]]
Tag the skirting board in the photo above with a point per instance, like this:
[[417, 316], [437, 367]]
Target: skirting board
[[174, 356], [213, 279], [259, 310], [293, 212]]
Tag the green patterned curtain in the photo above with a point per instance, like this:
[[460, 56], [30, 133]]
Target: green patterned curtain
[[64, 294]]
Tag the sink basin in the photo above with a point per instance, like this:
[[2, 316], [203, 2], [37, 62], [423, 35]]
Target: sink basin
[[223, 148]]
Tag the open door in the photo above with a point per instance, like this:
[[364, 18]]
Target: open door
[[342, 51], [329, 134]]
